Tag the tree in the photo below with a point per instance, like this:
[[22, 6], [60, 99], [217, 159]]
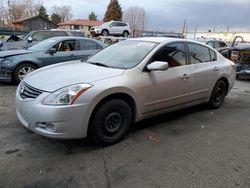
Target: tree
[[92, 16], [55, 18], [113, 12], [43, 12], [136, 17], [65, 12]]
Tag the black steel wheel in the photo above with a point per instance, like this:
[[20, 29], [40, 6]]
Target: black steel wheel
[[110, 122], [218, 94]]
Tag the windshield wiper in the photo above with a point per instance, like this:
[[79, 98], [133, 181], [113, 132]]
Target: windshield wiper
[[98, 64]]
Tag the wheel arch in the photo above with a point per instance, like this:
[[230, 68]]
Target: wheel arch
[[119, 95], [226, 81], [21, 63]]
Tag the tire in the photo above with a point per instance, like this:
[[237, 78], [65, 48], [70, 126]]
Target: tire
[[125, 34], [218, 94], [105, 33], [22, 70], [110, 122]]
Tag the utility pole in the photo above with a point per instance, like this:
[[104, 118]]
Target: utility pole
[[195, 31], [184, 28]]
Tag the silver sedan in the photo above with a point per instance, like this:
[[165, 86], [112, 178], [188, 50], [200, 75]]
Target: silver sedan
[[124, 83]]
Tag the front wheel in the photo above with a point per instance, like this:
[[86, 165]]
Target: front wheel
[[22, 70], [218, 94], [105, 33], [110, 122]]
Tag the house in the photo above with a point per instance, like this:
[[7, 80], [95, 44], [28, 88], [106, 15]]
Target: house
[[80, 24], [34, 23]]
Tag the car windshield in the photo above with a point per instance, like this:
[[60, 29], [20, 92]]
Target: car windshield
[[44, 45], [124, 55]]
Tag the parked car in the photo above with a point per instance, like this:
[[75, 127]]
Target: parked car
[[115, 28], [219, 45], [16, 64], [240, 53], [35, 37], [104, 95]]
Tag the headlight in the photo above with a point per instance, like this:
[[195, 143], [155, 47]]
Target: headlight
[[67, 95]]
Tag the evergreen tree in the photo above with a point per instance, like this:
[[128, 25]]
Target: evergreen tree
[[56, 18], [92, 16], [43, 13], [113, 12]]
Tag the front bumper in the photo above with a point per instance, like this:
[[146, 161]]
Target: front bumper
[[62, 122], [95, 32], [6, 73]]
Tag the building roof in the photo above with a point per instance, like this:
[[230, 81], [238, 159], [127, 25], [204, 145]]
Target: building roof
[[81, 22], [30, 18]]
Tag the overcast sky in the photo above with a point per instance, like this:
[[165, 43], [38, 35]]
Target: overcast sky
[[169, 15]]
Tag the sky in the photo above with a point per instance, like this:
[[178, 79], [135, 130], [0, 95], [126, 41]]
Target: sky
[[169, 15]]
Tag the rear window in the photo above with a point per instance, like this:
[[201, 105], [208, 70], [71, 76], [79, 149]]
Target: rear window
[[42, 35], [198, 53], [89, 45], [77, 34]]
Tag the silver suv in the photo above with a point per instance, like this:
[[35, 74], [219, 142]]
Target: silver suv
[[115, 28]]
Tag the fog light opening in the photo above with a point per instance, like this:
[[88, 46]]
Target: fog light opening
[[48, 126]]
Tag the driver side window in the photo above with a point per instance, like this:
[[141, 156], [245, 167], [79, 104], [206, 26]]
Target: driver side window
[[175, 54], [68, 45]]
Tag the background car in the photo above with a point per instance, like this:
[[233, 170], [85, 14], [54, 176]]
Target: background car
[[16, 64], [239, 52], [35, 37], [126, 82], [219, 45], [115, 28]]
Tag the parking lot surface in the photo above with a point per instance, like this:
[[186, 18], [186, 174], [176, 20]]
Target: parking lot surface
[[195, 147]]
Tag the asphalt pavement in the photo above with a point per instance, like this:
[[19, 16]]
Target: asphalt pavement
[[194, 147]]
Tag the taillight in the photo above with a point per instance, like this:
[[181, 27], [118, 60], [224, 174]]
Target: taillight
[[235, 56]]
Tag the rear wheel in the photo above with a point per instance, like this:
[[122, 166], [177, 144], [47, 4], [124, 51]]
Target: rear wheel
[[22, 70], [110, 122], [218, 94], [125, 34]]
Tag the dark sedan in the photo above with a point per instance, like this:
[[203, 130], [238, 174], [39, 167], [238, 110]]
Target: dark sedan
[[16, 64]]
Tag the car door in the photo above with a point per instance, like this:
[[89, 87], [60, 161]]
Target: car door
[[88, 48], [66, 50], [114, 28], [205, 70], [170, 88]]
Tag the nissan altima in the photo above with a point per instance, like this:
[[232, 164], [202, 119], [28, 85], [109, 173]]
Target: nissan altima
[[124, 83]]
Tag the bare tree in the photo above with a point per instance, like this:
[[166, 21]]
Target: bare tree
[[65, 12], [12, 10], [136, 17]]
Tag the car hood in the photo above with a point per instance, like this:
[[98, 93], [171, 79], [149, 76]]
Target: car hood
[[52, 78], [9, 53], [242, 46]]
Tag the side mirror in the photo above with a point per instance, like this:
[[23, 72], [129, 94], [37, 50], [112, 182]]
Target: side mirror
[[110, 25], [30, 39], [158, 66], [52, 51]]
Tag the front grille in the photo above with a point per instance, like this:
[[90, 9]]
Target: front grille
[[26, 91]]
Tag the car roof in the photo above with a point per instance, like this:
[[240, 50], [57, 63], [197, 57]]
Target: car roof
[[158, 39], [67, 37]]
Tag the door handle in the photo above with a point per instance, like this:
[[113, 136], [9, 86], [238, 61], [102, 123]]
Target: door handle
[[185, 76], [216, 69]]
